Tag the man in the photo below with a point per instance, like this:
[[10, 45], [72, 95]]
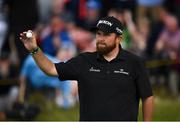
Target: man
[[110, 81]]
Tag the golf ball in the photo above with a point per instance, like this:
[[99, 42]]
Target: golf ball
[[29, 34]]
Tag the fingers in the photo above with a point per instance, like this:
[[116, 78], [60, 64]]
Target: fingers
[[28, 39], [23, 37]]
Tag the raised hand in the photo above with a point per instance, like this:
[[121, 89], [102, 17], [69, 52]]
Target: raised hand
[[29, 40]]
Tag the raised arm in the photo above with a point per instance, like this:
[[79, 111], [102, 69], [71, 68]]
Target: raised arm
[[41, 60]]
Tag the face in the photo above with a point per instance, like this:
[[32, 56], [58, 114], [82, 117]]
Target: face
[[105, 43], [57, 24], [171, 23]]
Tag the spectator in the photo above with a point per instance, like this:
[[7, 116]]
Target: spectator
[[155, 30], [78, 9], [8, 87], [45, 10], [139, 34], [149, 6], [168, 46], [38, 80], [55, 35], [7, 70], [83, 40], [93, 13], [158, 73]]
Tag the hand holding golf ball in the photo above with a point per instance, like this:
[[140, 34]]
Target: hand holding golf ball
[[29, 40]]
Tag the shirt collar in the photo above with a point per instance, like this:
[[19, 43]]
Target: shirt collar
[[121, 55]]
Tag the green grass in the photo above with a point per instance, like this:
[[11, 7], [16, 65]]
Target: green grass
[[55, 113], [50, 111], [166, 108]]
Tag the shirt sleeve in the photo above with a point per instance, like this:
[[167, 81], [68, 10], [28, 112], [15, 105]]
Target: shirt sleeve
[[69, 70], [142, 81]]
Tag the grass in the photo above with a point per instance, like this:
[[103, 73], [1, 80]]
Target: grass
[[166, 108], [51, 112], [58, 114]]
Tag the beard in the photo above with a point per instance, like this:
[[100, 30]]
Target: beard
[[104, 49]]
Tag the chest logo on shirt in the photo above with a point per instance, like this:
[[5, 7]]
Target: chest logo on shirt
[[121, 71], [92, 69]]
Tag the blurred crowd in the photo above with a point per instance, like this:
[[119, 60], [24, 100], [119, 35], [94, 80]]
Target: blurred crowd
[[151, 30]]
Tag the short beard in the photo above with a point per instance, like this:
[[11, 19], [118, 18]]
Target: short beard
[[105, 49]]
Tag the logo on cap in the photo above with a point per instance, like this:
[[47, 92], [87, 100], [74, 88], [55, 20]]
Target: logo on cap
[[105, 22], [118, 30]]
